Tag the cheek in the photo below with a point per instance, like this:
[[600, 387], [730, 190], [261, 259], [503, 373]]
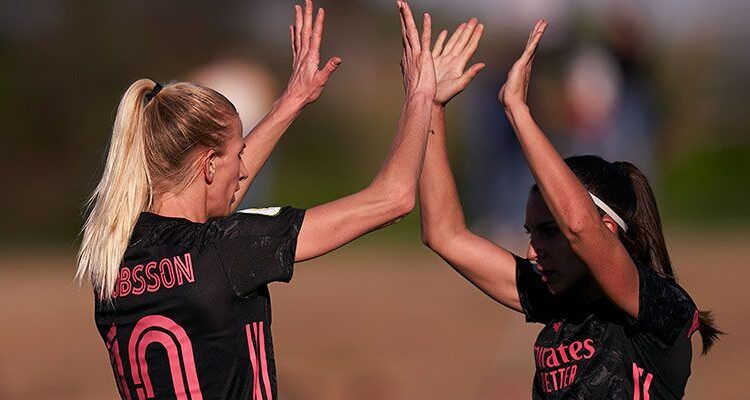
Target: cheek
[[566, 260], [231, 172]]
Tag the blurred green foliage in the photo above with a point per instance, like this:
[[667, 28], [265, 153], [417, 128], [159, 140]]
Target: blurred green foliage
[[710, 187]]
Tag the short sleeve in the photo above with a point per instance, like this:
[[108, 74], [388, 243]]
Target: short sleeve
[[257, 246], [665, 309], [537, 302]]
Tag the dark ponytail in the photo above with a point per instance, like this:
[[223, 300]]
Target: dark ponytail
[[708, 330], [645, 237], [623, 187]]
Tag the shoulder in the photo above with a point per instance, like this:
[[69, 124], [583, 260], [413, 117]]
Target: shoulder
[[665, 308], [657, 288], [269, 221]]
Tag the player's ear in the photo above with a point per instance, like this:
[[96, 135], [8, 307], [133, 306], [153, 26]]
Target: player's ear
[[610, 223], [209, 167]]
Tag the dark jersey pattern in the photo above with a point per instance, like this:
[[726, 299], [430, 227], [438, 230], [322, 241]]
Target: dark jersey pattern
[[594, 350], [191, 316]]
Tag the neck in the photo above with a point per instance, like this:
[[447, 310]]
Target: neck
[[188, 204]]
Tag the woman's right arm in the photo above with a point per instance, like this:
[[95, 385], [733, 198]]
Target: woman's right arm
[[391, 194], [488, 266]]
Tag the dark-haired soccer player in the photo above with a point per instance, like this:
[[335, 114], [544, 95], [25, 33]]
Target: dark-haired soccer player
[[598, 276]]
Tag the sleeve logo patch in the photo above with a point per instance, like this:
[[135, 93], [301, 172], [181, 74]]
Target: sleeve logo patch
[[268, 211]]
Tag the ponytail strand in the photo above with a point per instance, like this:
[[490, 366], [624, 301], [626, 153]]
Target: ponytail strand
[[123, 192], [647, 240]]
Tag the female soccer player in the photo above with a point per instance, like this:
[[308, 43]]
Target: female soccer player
[[180, 280], [598, 276]]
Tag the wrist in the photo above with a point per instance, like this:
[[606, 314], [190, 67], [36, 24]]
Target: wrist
[[421, 96], [515, 106], [288, 105], [439, 103]]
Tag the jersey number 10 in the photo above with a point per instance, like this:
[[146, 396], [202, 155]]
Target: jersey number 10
[[161, 330]]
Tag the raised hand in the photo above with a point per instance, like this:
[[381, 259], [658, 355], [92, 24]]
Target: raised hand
[[308, 81], [416, 63], [515, 89], [451, 59]]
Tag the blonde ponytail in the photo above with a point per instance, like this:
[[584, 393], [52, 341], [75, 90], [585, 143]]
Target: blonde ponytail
[[123, 192], [155, 135]]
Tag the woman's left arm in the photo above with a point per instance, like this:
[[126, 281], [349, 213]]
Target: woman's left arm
[[568, 200], [305, 86], [390, 195]]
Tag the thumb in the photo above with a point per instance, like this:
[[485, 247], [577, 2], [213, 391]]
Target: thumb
[[472, 72], [331, 66]]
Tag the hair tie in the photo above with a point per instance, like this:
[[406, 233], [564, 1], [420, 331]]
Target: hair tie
[[609, 211], [157, 88]]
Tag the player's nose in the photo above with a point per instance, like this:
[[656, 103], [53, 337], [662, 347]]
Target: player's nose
[[243, 171]]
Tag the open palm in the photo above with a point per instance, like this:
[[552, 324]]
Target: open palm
[[308, 81], [516, 87], [451, 58]]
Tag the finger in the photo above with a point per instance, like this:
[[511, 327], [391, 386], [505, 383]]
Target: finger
[[317, 36], [472, 72], [530, 50], [426, 33], [439, 43], [298, 21], [471, 47], [307, 25], [294, 45], [331, 66], [454, 38], [404, 39], [412, 34], [464, 38], [533, 30]]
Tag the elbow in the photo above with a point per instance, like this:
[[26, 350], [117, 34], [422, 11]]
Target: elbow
[[402, 204], [431, 236], [427, 239], [577, 228], [432, 242], [397, 200], [437, 238]]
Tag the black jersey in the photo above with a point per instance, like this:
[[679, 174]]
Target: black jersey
[[191, 314], [594, 350]]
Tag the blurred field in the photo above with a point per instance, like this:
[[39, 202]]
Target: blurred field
[[362, 324]]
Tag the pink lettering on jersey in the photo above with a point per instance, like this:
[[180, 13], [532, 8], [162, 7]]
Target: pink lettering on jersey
[[167, 273], [123, 283], [152, 276], [113, 347], [256, 344], [157, 329], [557, 367], [639, 388], [139, 284], [184, 269]]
